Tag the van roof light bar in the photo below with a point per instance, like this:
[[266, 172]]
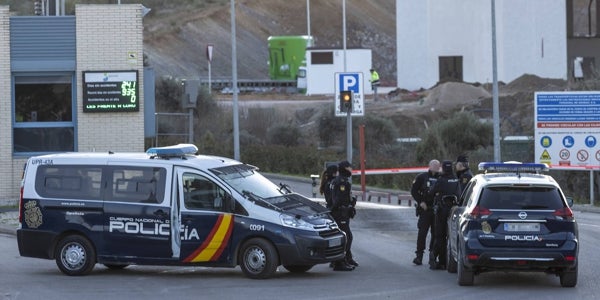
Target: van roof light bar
[[513, 166], [179, 150]]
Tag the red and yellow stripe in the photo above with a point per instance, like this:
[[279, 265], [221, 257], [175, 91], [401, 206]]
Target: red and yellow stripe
[[215, 242]]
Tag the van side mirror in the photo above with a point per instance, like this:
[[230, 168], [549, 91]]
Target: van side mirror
[[229, 203]]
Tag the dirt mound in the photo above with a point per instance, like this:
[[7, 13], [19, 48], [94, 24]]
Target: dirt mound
[[528, 82], [452, 95]]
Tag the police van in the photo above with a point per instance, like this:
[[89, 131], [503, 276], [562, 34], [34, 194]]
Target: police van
[[168, 206]]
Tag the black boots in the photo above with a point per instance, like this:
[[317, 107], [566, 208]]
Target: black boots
[[342, 266], [419, 259]]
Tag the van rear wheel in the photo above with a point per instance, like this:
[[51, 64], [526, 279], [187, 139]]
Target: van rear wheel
[[258, 259], [75, 255]]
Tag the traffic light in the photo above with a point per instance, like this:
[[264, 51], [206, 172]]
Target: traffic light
[[346, 101]]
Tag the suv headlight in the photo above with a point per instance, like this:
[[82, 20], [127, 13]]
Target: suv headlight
[[291, 221]]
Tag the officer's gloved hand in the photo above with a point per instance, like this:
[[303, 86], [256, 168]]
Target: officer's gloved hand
[[423, 205]]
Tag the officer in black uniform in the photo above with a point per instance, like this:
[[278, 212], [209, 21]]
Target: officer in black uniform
[[326, 179], [446, 185], [463, 172], [342, 210], [420, 192]]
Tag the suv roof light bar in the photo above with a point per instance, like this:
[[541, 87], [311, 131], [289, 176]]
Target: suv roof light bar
[[179, 150], [516, 167]]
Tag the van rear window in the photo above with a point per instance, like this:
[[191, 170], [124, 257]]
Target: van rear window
[[82, 182], [69, 182], [137, 184]]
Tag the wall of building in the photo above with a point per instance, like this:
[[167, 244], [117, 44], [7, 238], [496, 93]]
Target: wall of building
[[9, 185], [530, 39], [320, 78], [110, 38]]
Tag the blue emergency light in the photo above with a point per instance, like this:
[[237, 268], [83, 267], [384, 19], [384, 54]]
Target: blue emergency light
[[178, 150], [516, 167]]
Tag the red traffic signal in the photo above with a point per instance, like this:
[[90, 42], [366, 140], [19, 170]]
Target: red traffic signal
[[346, 100]]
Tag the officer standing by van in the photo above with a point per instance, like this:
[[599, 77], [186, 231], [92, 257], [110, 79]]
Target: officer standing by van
[[326, 178], [420, 192], [445, 192], [342, 211]]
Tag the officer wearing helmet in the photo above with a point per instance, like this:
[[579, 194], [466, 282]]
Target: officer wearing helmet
[[463, 172], [342, 210], [424, 208], [445, 192]]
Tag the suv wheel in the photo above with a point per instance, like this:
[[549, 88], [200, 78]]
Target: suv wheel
[[465, 276], [568, 278]]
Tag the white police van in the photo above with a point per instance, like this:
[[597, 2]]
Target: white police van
[[168, 206]]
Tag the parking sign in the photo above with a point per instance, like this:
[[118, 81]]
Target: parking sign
[[349, 82]]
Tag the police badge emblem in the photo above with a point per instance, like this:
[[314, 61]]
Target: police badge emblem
[[486, 228], [33, 215]]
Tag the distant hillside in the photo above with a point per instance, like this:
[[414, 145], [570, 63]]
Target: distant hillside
[[176, 39], [176, 32]]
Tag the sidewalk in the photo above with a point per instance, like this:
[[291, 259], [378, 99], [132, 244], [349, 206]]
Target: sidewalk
[[9, 217]]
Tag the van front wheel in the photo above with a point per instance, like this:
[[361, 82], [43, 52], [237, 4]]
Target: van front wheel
[[258, 259], [75, 255]]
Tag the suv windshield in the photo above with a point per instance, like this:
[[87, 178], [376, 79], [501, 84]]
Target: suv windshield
[[521, 198]]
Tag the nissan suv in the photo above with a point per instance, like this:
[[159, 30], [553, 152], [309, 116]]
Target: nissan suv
[[512, 218]]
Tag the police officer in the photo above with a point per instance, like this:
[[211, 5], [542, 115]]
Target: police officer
[[463, 172], [342, 210], [446, 185], [328, 176], [420, 192]]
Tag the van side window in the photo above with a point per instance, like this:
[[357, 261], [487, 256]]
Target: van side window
[[202, 194], [136, 184], [69, 182]]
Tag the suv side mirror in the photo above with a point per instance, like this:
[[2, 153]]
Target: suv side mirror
[[570, 201], [449, 200]]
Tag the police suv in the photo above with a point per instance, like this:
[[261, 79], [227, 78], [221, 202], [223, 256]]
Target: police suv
[[168, 206], [512, 218]]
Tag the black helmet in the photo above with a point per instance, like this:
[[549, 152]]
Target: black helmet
[[447, 167]]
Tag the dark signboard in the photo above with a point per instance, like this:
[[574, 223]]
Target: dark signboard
[[110, 91]]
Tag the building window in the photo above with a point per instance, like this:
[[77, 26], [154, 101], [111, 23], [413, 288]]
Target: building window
[[321, 58], [451, 68], [43, 114]]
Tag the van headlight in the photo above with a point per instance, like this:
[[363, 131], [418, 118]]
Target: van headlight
[[291, 221]]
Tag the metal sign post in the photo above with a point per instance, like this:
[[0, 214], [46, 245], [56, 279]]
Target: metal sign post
[[209, 52]]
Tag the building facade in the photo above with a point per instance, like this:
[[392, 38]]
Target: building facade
[[441, 40], [75, 83]]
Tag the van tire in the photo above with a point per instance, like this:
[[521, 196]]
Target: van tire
[[258, 259], [75, 255], [451, 264]]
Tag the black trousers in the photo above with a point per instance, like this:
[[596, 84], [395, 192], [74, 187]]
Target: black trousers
[[425, 224], [441, 233], [344, 225]]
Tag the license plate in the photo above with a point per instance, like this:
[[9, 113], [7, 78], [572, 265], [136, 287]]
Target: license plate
[[521, 227], [335, 242]]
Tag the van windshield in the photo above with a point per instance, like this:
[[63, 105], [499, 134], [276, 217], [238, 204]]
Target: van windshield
[[245, 178]]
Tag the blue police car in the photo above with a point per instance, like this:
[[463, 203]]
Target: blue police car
[[513, 218]]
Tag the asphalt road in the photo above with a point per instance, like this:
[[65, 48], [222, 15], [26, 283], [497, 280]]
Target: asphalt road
[[384, 238]]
